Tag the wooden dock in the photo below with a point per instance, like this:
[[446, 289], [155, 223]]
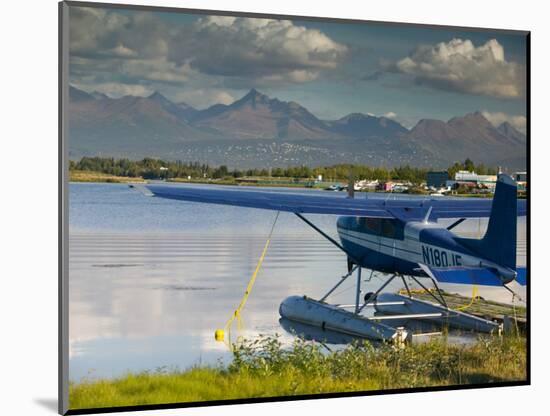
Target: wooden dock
[[508, 314]]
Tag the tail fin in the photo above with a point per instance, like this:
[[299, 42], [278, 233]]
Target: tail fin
[[499, 242], [522, 276]]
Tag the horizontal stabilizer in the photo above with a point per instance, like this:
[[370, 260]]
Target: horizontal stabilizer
[[521, 278], [464, 275]]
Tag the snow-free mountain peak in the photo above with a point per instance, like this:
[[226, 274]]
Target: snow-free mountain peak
[[154, 126]]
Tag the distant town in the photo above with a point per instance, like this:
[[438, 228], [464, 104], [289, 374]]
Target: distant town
[[462, 178]]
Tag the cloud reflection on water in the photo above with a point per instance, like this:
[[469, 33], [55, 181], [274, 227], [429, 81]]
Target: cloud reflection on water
[[144, 295]]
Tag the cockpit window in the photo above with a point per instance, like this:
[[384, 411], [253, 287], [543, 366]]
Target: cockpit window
[[373, 224], [389, 228], [392, 228]]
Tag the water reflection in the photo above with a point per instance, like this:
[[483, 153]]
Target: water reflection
[[312, 333], [421, 332], [150, 280]]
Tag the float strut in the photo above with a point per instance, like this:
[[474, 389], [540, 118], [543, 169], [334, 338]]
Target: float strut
[[338, 284], [373, 296], [358, 290], [440, 301], [406, 286]]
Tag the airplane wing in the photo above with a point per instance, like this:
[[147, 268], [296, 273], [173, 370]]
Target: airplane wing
[[378, 206], [269, 199]]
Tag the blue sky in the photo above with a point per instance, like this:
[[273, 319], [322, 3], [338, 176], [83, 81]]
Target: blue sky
[[404, 72]]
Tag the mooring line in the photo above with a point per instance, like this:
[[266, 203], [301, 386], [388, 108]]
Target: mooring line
[[474, 297], [219, 334]]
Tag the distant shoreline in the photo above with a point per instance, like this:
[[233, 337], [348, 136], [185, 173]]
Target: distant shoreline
[[98, 177]]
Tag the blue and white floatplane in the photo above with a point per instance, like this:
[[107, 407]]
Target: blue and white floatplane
[[401, 238]]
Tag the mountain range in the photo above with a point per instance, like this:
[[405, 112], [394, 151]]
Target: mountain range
[[259, 131]]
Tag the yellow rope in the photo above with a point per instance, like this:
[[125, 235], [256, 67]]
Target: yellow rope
[[474, 296], [461, 308], [219, 334]]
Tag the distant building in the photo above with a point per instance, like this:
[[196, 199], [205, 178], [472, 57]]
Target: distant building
[[437, 179], [467, 178], [521, 179], [520, 176]]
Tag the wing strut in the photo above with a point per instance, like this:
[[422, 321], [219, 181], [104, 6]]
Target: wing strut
[[457, 222], [329, 238]]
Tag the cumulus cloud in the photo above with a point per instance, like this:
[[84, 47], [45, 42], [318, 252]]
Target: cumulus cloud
[[497, 118], [121, 51], [461, 66], [204, 97], [95, 32], [156, 70], [116, 89], [263, 49], [138, 46]]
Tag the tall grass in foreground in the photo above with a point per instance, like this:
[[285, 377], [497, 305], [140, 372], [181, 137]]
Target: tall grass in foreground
[[263, 368]]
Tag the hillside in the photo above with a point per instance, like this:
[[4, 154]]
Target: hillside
[[257, 131]]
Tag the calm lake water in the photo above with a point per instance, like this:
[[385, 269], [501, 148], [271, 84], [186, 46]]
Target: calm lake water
[[151, 279]]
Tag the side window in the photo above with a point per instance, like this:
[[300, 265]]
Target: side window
[[393, 228], [373, 225], [388, 228]]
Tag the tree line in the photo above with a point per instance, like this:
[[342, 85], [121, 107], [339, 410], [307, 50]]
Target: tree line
[[150, 168]]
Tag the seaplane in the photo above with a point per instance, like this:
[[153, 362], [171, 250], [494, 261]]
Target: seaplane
[[399, 237]]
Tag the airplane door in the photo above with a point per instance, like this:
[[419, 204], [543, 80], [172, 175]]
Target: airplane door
[[379, 251], [388, 233]]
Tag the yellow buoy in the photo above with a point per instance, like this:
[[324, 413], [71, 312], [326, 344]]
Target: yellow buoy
[[219, 335]]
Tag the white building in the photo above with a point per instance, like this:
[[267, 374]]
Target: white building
[[462, 176]]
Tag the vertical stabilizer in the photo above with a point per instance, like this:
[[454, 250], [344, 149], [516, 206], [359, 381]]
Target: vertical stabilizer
[[499, 242]]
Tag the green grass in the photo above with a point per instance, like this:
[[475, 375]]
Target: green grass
[[262, 368]]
